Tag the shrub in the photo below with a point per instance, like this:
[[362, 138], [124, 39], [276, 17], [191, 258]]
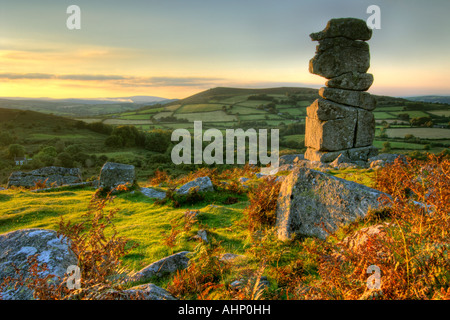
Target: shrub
[[413, 254], [263, 203]]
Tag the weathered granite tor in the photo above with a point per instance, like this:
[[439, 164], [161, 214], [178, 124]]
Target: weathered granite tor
[[54, 175], [313, 203], [340, 121]]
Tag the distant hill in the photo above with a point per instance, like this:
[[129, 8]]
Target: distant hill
[[222, 93], [432, 99], [81, 107], [20, 118]]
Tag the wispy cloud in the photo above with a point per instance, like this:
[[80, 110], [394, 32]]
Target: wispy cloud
[[121, 80]]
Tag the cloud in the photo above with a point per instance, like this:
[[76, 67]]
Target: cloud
[[120, 80]]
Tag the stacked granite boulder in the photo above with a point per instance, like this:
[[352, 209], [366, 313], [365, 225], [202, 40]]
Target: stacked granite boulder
[[340, 121]]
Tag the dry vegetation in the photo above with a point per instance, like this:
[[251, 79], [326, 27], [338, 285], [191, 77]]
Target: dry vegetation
[[412, 252]]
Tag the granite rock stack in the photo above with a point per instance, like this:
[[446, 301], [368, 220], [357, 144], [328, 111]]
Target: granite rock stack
[[341, 121]]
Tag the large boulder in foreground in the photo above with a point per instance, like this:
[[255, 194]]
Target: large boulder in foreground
[[115, 174], [313, 203], [17, 246], [54, 175]]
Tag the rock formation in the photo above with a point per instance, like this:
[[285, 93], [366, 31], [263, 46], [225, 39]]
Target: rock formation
[[313, 203], [340, 121], [54, 175]]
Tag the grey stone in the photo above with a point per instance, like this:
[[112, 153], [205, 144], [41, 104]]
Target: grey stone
[[201, 235], [17, 246], [149, 291], [152, 193], [311, 202], [365, 129], [203, 183], [322, 156], [362, 154], [331, 135], [328, 110], [290, 158], [351, 81], [243, 179], [54, 175], [338, 56], [114, 174], [351, 28], [232, 258], [167, 265], [353, 98], [340, 160], [388, 157]]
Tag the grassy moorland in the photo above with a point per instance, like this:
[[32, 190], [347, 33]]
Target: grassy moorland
[[412, 252]]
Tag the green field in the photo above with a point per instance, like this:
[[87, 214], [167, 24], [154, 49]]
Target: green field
[[202, 107], [425, 133]]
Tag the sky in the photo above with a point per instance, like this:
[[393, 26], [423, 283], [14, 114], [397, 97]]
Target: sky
[[176, 48]]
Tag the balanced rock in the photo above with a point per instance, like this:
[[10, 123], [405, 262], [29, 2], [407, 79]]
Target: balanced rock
[[337, 56], [352, 98], [17, 246], [114, 174], [351, 28], [340, 122], [51, 175], [351, 81], [313, 203]]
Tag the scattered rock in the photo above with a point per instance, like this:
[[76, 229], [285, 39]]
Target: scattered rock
[[149, 291], [387, 158], [201, 235], [152, 193], [114, 174], [1, 189], [290, 159], [232, 258], [203, 184], [239, 284], [243, 179], [360, 238], [311, 203], [167, 265], [56, 176], [17, 246]]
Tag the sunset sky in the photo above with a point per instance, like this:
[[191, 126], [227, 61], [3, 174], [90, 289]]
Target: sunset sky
[[176, 48]]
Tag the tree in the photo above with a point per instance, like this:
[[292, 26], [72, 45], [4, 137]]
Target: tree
[[158, 140], [16, 150], [65, 159], [6, 139], [386, 147]]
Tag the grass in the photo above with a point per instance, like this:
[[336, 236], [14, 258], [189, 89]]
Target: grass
[[138, 219], [424, 133]]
